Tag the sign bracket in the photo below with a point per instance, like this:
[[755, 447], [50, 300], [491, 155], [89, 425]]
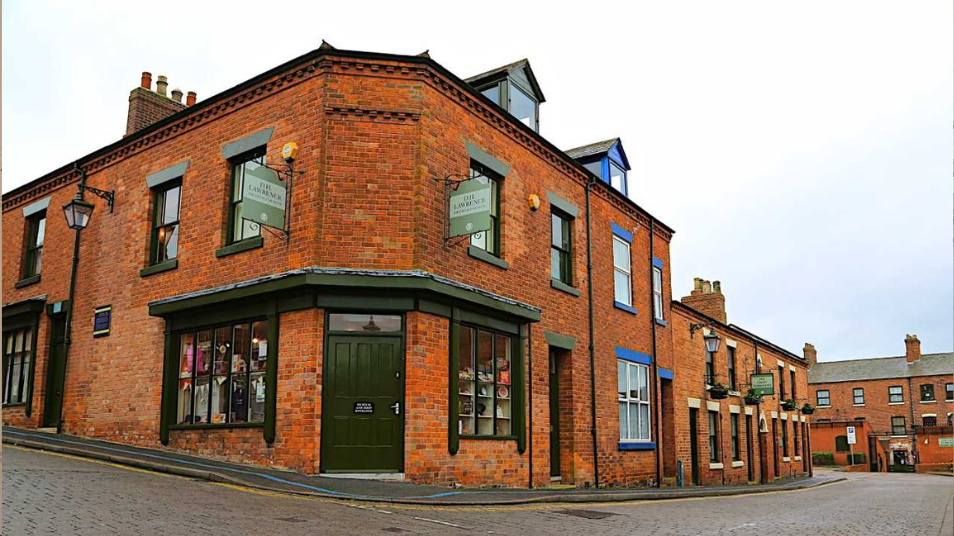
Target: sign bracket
[[286, 174], [451, 183]]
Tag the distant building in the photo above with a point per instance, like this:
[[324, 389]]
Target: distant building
[[904, 400]]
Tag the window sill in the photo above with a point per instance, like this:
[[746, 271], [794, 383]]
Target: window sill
[[563, 287], [895, 403], [14, 405], [716, 466], [482, 255], [798, 458], [822, 407], [733, 393], [739, 463], [929, 401], [207, 426], [491, 438], [661, 322], [27, 281], [637, 445], [624, 307], [238, 247], [163, 266], [786, 459], [858, 405]]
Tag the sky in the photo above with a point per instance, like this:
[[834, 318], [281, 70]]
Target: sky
[[801, 151]]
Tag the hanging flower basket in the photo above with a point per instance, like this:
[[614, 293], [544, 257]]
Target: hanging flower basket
[[807, 409], [718, 392], [752, 399], [789, 405]]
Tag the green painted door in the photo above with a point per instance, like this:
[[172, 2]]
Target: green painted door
[[362, 427], [56, 372]]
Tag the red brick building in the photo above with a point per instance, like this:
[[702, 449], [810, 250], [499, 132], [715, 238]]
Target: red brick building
[[355, 337], [896, 396]]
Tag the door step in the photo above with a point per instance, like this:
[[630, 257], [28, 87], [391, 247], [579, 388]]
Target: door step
[[556, 478], [47, 430], [366, 476]]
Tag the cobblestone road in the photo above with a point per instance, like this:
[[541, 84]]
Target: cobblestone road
[[52, 494]]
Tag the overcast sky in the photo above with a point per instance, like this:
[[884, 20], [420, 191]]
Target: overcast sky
[[802, 151]]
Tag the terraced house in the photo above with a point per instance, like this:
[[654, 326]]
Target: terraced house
[[352, 263]]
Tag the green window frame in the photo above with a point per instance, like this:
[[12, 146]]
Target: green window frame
[[898, 426], [949, 391], [485, 383], [781, 382], [795, 438], [166, 206], [561, 247], [221, 378], [927, 392], [734, 425], [714, 456], [489, 240], [792, 378], [18, 356], [895, 394], [785, 439], [730, 359], [240, 228], [33, 245]]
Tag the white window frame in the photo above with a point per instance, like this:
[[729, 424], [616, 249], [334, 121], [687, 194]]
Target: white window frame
[[625, 270], [633, 402], [657, 293]]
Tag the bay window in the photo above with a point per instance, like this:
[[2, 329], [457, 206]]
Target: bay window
[[17, 360], [633, 399], [484, 383]]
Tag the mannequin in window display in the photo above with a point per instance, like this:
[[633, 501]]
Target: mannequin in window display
[[202, 401], [239, 403], [257, 402]]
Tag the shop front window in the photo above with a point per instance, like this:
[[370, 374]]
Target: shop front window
[[17, 353], [484, 383], [222, 374]]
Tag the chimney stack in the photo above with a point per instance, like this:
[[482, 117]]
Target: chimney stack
[[811, 356], [161, 85], [912, 348], [147, 107], [707, 298], [190, 98]]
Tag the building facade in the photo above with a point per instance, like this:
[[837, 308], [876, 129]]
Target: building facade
[[356, 336], [898, 398]]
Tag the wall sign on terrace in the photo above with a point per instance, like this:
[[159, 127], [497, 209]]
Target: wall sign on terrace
[[263, 195], [469, 210], [763, 384]]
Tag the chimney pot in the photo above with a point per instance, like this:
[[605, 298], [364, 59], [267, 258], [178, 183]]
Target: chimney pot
[[161, 85], [190, 98], [177, 95], [717, 287], [697, 283], [706, 287], [146, 80]]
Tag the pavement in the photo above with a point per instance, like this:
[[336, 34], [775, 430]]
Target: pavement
[[394, 492], [52, 493]]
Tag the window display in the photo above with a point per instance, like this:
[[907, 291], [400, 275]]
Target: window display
[[215, 386], [484, 383]]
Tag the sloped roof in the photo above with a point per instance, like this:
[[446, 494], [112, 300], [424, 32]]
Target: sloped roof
[[600, 147], [504, 69], [881, 368]]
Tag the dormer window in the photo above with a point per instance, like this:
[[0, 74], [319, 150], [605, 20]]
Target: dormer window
[[514, 88], [606, 160]]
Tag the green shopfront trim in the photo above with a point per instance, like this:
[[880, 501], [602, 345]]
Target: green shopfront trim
[[20, 315]]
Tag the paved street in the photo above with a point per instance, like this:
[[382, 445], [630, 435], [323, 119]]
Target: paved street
[[54, 494]]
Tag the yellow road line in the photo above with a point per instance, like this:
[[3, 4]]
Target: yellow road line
[[90, 460]]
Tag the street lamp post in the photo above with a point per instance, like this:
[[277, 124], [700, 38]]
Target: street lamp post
[[78, 213]]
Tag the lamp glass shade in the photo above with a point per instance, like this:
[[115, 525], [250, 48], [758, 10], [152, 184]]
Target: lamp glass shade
[[712, 342], [78, 213]]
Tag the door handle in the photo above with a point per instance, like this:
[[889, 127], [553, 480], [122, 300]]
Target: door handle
[[396, 407]]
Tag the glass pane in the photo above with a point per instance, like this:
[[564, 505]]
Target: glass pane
[[523, 107], [466, 376], [27, 340], [621, 255], [492, 93], [220, 399], [201, 400], [644, 421], [239, 403], [623, 419], [643, 383], [203, 349], [634, 381], [556, 231], [25, 373], [494, 194], [365, 323], [223, 347], [15, 380], [479, 240], [40, 232], [617, 177], [185, 355], [595, 168], [622, 291], [250, 229], [240, 341], [257, 401], [259, 350], [555, 271], [621, 379], [237, 182], [485, 361], [502, 353], [19, 345], [466, 356], [168, 243], [634, 421], [170, 205], [657, 280], [184, 412]]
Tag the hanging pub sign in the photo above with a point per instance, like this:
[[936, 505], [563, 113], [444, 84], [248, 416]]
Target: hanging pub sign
[[101, 318], [469, 207], [762, 384], [263, 197]]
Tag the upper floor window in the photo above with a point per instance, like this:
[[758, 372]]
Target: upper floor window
[[165, 230], [895, 394], [714, 456], [36, 232], [241, 228], [898, 426], [781, 382], [489, 240], [523, 107], [492, 93], [595, 168], [929, 420], [822, 397], [561, 264], [622, 273], [859, 395], [792, 377], [730, 358], [927, 392], [17, 354], [617, 177], [949, 391], [710, 368], [734, 424], [633, 396], [657, 293]]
